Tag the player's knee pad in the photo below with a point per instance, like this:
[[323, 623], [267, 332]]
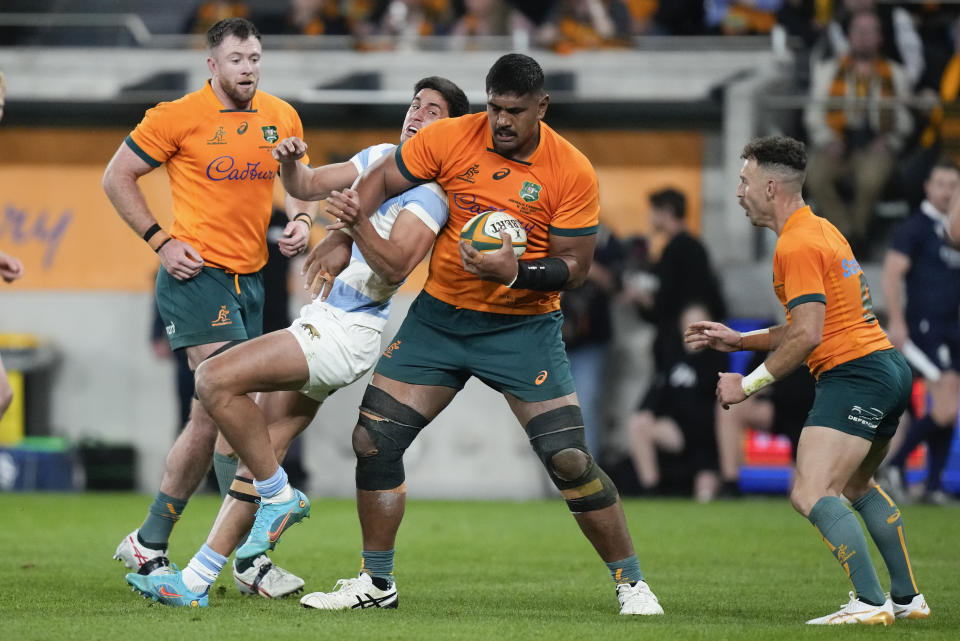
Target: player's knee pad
[[384, 431], [557, 437]]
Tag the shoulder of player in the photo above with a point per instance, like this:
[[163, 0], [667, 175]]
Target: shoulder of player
[[456, 128], [272, 104], [567, 160]]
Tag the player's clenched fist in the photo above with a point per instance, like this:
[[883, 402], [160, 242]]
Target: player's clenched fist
[[289, 150]]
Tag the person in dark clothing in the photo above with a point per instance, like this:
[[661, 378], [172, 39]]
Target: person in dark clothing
[[684, 275], [587, 329], [677, 418]]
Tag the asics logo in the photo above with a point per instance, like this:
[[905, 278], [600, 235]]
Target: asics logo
[[372, 601], [541, 377]]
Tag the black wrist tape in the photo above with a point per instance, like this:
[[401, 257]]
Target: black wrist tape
[[153, 229], [544, 274], [306, 218]]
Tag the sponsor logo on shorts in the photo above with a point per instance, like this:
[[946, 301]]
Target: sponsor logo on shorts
[[310, 329], [242, 129], [501, 174], [171, 329], [217, 137], [869, 417], [391, 348], [270, 133], [541, 377], [470, 174], [223, 318]]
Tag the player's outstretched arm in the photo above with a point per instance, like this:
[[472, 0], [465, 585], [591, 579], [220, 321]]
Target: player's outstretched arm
[[120, 184], [393, 259], [718, 336], [308, 183]]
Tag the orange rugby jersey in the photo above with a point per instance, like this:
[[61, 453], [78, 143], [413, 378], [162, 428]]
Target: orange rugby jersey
[[813, 262], [553, 191], [221, 172]]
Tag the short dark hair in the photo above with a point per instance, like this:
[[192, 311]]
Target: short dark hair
[[670, 199], [457, 103], [515, 74], [777, 150], [239, 27], [943, 163]]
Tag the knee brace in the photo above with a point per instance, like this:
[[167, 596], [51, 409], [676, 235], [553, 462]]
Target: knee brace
[[557, 437], [384, 431]]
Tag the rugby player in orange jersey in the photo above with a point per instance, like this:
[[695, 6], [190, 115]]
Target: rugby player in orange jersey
[[489, 316], [216, 144], [863, 382]]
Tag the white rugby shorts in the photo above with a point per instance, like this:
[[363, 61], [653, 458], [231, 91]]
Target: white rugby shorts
[[338, 351]]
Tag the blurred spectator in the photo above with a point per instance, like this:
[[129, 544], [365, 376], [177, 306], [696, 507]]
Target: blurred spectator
[[407, 20], [676, 417], [801, 19], [942, 133], [857, 125], [584, 24], [741, 17], [780, 408], [901, 42], [587, 330], [209, 13], [667, 17], [307, 17], [3, 94], [924, 323], [681, 276], [481, 18]]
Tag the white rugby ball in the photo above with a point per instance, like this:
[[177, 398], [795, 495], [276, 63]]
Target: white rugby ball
[[483, 232]]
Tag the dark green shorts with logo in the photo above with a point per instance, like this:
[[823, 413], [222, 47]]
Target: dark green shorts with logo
[[439, 344], [864, 397], [211, 307]]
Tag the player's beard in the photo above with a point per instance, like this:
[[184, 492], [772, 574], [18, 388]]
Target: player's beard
[[240, 94]]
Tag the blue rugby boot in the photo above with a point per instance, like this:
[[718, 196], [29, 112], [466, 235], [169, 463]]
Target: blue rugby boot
[[271, 521], [168, 589]]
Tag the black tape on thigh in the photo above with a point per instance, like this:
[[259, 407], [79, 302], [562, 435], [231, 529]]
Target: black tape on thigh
[[391, 426]]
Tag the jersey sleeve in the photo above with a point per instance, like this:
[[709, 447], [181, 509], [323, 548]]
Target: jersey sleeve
[[578, 213], [803, 269], [420, 159], [428, 202], [158, 135]]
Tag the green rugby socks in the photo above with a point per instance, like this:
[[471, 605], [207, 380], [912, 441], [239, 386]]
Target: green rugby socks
[[882, 518], [842, 533], [164, 513]]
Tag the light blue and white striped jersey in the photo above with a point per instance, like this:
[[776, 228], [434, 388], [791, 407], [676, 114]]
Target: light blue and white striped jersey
[[358, 290]]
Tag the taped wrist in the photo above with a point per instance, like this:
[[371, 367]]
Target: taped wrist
[[543, 274], [305, 219], [756, 380]]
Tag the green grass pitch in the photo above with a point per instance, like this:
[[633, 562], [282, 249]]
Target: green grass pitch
[[745, 570]]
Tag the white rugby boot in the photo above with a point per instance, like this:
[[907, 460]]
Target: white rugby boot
[[856, 611], [266, 579], [354, 594], [916, 609], [142, 560], [637, 598]]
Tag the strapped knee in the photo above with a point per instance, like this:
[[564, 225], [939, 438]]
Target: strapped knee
[[558, 439], [384, 431]]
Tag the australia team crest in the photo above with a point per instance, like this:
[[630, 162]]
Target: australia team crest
[[530, 192], [270, 133]]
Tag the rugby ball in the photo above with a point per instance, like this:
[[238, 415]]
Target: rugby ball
[[483, 232]]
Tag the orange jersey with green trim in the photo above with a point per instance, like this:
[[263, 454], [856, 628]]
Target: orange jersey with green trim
[[814, 263], [553, 192], [221, 171]]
